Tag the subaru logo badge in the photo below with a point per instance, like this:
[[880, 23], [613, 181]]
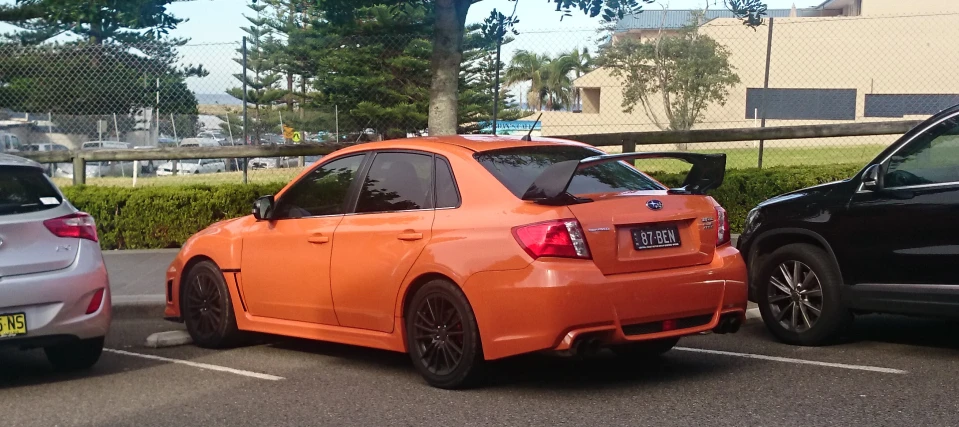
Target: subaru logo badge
[[654, 204]]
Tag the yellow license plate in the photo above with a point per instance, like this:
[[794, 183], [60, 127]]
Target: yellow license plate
[[12, 325]]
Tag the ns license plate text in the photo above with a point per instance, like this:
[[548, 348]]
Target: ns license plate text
[[12, 325]]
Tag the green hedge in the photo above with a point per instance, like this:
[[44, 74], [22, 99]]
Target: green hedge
[[165, 216], [743, 189], [162, 216]]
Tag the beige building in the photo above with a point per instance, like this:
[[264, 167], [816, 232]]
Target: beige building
[[840, 62]]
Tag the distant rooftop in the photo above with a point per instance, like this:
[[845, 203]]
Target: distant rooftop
[[651, 19]]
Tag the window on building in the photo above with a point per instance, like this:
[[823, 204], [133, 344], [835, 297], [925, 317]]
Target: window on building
[[802, 104]]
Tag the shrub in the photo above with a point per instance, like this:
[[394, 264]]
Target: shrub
[[165, 216], [162, 216], [743, 189]]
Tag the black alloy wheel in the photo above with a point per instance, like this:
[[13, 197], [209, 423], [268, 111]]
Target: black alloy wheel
[[800, 296], [442, 336], [207, 308]]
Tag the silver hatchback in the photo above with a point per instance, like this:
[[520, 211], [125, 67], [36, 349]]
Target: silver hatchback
[[54, 289]]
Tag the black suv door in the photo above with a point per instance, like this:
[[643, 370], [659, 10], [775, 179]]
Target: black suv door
[[903, 233]]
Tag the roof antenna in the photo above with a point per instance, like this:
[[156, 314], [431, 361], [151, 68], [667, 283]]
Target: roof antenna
[[527, 137]]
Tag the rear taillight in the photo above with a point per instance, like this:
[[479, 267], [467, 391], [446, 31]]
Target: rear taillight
[[77, 225], [722, 227], [560, 238]]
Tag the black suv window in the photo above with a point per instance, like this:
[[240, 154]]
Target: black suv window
[[322, 192], [517, 168], [931, 158], [26, 189], [397, 182], [447, 196]]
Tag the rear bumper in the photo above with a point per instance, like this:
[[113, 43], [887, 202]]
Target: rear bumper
[[551, 305], [55, 302]]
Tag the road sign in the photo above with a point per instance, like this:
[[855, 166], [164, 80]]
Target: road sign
[[287, 132], [296, 137]]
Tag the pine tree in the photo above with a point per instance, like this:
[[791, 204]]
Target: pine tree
[[260, 75]]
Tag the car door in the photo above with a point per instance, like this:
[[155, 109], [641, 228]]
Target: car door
[[377, 245], [905, 232], [285, 262]]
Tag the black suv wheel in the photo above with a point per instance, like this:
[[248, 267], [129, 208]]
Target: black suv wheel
[[799, 296]]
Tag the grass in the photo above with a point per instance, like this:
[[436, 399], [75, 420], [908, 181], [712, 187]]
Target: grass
[[736, 158], [747, 158]]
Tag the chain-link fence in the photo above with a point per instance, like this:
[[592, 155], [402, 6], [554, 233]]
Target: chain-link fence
[[657, 71]]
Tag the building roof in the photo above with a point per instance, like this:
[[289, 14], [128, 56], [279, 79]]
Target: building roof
[[651, 19]]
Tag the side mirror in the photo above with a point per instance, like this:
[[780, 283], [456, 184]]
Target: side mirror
[[870, 178], [263, 208]]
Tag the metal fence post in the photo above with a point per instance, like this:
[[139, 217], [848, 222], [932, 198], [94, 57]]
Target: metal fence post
[[79, 169], [245, 118], [769, 49]]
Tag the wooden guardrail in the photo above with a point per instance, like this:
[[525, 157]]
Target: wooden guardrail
[[79, 158], [628, 140]]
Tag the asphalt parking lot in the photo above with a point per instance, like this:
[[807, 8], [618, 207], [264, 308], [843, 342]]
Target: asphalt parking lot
[[897, 371]]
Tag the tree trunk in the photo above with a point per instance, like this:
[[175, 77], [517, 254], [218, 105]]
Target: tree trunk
[[445, 65], [289, 90]]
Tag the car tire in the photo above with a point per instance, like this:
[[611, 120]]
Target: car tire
[[645, 349], [821, 293], [440, 306], [206, 307], [76, 355]]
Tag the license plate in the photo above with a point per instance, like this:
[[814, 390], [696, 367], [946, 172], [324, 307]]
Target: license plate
[[655, 237], [12, 325]]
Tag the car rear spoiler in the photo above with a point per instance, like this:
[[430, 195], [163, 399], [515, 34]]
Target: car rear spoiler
[[551, 186]]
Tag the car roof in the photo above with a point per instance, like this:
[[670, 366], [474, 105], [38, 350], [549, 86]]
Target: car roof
[[475, 143], [11, 160]]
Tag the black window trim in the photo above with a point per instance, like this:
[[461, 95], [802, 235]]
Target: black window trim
[[456, 185], [884, 163], [351, 192], [365, 169]]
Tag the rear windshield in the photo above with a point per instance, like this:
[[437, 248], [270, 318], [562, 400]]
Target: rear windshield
[[26, 189], [517, 168]]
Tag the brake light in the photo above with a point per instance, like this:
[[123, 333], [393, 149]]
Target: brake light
[[722, 227], [77, 225], [560, 238]]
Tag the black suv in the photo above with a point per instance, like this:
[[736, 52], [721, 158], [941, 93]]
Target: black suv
[[883, 241]]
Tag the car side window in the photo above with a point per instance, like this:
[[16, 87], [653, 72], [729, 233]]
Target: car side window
[[321, 192], [397, 182], [447, 195], [931, 158]]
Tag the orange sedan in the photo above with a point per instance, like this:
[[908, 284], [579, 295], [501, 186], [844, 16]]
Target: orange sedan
[[465, 249]]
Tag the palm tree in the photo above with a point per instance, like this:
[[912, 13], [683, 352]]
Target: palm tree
[[525, 67], [582, 63], [549, 78]]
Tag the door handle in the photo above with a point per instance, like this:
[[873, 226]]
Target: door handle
[[318, 238], [410, 236]]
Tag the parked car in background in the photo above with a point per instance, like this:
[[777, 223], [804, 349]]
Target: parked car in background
[[54, 289], [883, 241], [9, 143], [273, 162], [50, 169], [192, 167], [98, 169], [459, 250]]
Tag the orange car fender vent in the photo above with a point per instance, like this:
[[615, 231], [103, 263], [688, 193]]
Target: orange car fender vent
[[667, 325]]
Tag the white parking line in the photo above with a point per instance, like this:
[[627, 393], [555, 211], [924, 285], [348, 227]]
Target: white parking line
[[795, 361], [199, 365]]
